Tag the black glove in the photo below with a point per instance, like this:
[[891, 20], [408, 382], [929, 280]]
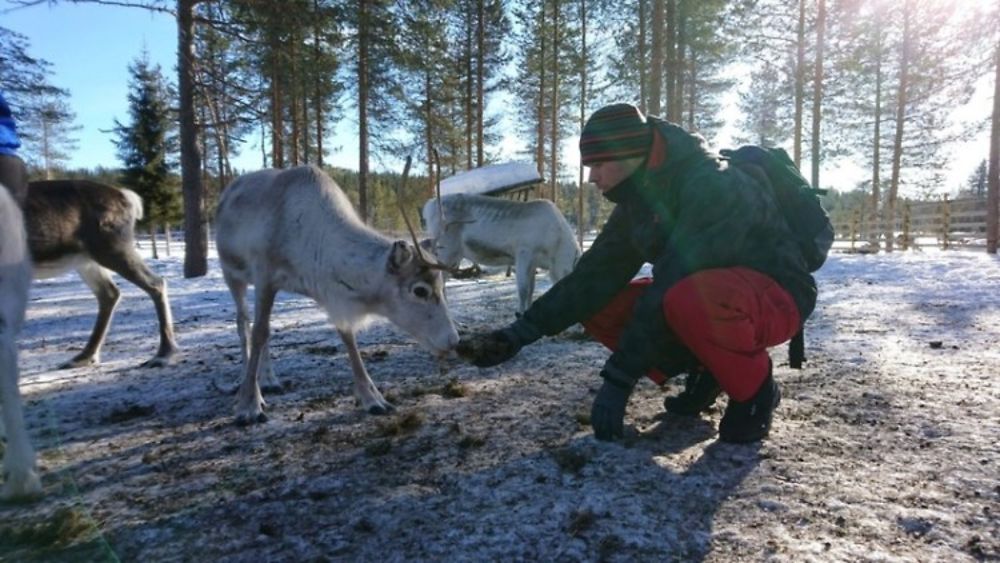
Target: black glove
[[607, 415], [492, 348]]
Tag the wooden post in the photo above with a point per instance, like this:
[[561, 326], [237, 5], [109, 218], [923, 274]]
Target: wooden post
[[945, 222]]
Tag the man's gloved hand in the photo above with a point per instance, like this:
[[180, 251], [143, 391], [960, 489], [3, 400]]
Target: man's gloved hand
[[492, 348], [607, 415]]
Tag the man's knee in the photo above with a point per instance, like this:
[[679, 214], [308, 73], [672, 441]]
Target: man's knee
[[695, 297]]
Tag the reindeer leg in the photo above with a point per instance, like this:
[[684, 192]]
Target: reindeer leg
[[525, 279], [238, 289], [269, 383], [107, 293], [364, 389], [249, 402], [126, 262], [20, 478]]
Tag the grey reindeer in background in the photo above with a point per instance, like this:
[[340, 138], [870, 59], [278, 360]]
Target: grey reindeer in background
[[295, 230], [502, 232]]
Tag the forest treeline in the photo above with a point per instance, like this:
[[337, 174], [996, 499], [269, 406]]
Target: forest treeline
[[875, 81]]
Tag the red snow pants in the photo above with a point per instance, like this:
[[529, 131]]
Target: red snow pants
[[726, 317]]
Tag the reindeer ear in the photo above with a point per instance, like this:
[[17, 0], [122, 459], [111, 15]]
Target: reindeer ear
[[400, 255]]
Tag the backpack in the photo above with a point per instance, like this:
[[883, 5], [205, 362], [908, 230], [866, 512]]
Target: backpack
[[799, 204]]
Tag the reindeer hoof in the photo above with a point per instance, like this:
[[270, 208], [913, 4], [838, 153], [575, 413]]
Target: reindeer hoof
[[160, 361], [21, 486], [79, 362], [272, 388], [382, 409], [246, 420]]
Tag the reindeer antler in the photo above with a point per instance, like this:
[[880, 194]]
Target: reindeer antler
[[413, 234]]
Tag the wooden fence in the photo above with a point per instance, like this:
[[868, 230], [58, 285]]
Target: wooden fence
[[946, 223]]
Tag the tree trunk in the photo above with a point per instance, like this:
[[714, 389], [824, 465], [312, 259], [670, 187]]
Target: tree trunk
[[195, 236], [677, 105], [818, 91], [428, 131], [873, 227], [554, 124], [166, 238], [277, 122], [540, 125], [296, 101], [693, 91], [584, 60], [363, 108], [643, 94], [469, 80], [670, 54], [480, 80], [220, 132], [656, 60], [800, 88], [263, 144], [993, 181], [318, 90], [889, 220], [152, 240]]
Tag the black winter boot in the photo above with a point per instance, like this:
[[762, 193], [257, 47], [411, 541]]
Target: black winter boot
[[699, 394], [751, 420]]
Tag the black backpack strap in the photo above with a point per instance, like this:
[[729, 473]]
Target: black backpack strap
[[797, 350]]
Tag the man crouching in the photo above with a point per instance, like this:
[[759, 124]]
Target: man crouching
[[728, 278]]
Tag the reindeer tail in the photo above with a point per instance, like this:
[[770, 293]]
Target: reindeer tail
[[134, 204]]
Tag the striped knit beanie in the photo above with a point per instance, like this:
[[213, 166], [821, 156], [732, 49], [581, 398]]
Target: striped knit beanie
[[614, 132]]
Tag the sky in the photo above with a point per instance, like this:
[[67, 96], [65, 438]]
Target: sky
[[90, 48]]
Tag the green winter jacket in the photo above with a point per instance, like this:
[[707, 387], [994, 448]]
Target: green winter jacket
[[684, 212]]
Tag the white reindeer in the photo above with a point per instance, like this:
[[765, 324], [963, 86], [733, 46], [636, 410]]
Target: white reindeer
[[295, 230], [91, 227], [502, 232], [20, 478]]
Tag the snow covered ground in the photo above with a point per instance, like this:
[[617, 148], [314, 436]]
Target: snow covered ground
[[886, 447]]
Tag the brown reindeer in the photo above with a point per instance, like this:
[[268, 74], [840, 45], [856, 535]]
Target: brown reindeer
[[91, 227]]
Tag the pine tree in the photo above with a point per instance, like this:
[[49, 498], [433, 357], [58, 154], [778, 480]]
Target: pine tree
[[931, 77], [976, 184], [705, 50], [765, 108], [429, 88], [226, 102], [45, 120], [144, 144], [47, 134], [546, 81]]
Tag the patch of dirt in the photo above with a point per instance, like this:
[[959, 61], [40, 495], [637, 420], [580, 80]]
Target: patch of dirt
[[883, 448]]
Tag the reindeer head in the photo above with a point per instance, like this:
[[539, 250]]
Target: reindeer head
[[415, 299]]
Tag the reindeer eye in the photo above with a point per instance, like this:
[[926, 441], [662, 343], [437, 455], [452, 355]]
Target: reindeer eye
[[422, 291]]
